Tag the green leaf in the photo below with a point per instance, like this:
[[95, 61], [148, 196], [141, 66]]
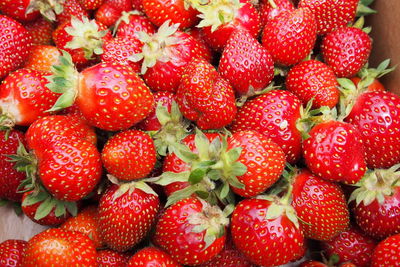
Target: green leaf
[[274, 211], [233, 181], [238, 169], [224, 191], [202, 194], [234, 154], [17, 208], [66, 100], [72, 207], [60, 209], [184, 153], [170, 177], [32, 199], [3, 202], [196, 176], [209, 239], [214, 175], [202, 144], [145, 188], [346, 84], [181, 194], [228, 210], [45, 208]]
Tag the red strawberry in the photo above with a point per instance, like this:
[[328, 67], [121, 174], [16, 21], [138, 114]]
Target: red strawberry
[[41, 31], [11, 252], [129, 155], [177, 11], [131, 23], [18, 10], [70, 9], [320, 205], [15, 45], [261, 227], [271, 9], [126, 214], [387, 252], [205, 97], [109, 258], [152, 256], [138, 5], [290, 36], [191, 231], [346, 50], [376, 85], [335, 151], [331, 14], [24, 96], [111, 10], [311, 263], [61, 248], [351, 245], [314, 80], [273, 114], [198, 35], [42, 58], [90, 4], [246, 64]]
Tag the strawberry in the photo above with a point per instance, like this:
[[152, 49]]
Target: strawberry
[[377, 198], [61, 248], [311, 263], [376, 85], [205, 97], [122, 226], [42, 58], [351, 245], [24, 96], [346, 50], [109, 95], [18, 10], [387, 252], [191, 231], [138, 5], [320, 205], [129, 155], [331, 14], [41, 31], [246, 64], [131, 23], [15, 45], [110, 258], [177, 11], [111, 10], [262, 226], [269, 9], [335, 151], [198, 35], [152, 256], [314, 80], [290, 36], [90, 4], [274, 114], [222, 17], [11, 252], [70, 9]]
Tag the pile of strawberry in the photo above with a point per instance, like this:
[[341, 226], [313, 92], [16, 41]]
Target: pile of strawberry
[[197, 133]]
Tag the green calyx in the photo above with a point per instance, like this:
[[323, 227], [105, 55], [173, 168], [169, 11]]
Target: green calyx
[[64, 81], [375, 185], [129, 187], [157, 47], [7, 123], [48, 8], [363, 8], [87, 36]]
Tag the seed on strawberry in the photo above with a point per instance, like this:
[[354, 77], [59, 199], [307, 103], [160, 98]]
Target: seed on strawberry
[[42, 58], [270, 9], [111, 10], [110, 258], [11, 252], [18, 10], [90, 4], [152, 256], [387, 252], [64, 11], [41, 31], [131, 23]]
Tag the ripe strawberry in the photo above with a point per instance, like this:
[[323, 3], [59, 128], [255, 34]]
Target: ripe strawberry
[[131, 23], [111, 10], [41, 31], [18, 10], [290, 36], [274, 114], [346, 50], [138, 5], [122, 226], [191, 231], [246, 64], [90, 4], [70, 9], [351, 245], [311, 263], [335, 151], [262, 226], [320, 205], [331, 14], [129, 155], [61, 248], [11, 252], [314, 80], [15, 45], [198, 35], [205, 97], [110, 258], [42, 58], [109, 95], [152, 256], [271, 9], [387, 252], [376, 85], [24, 96]]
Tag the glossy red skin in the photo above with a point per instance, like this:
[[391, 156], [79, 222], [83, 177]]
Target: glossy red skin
[[377, 117], [379, 220], [335, 151], [351, 245], [166, 76], [152, 257], [312, 263], [151, 123], [42, 57], [137, 23], [129, 155], [107, 108], [259, 239], [246, 63], [174, 234], [111, 10], [198, 34], [61, 248], [41, 31], [71, 8], [346, 50], [110, 258], [314, 80], [138, 5], [125, 221], [387, 252], [290, 36], [25, 96], [16, 9], [90, 4], [11, 252], [331, 14], [376, 85], [247, 18], [266, 113], [267, 12], [10, 178], [15, 45], [159, 11], [263, 158], [321, 204], [205, 97]]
